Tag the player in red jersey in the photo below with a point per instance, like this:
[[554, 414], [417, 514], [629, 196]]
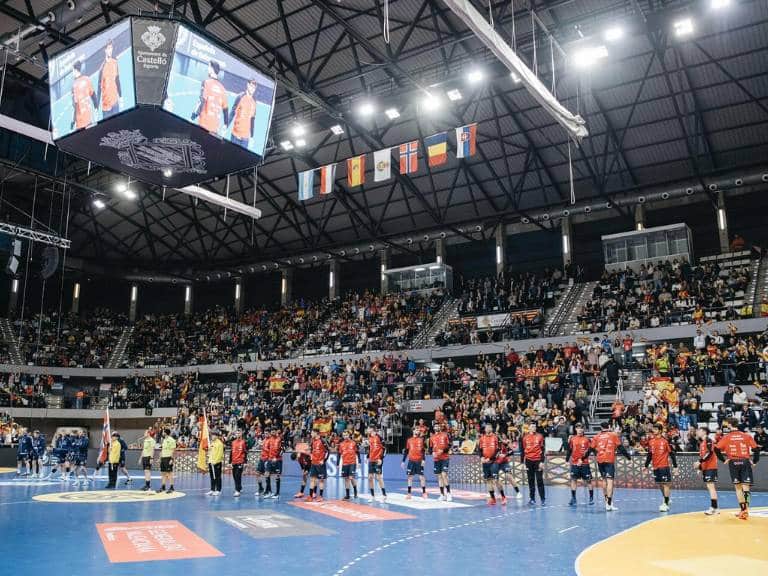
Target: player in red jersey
[[304, 464], [577, 453], [261, 466], [605, 444], [238, 456], [504, 465], [734, 449], [488, 449], [213, 105], [275, 463], [318, 455], [84, 100], [707, 465], [376, 454], [110, 93], [414, 452], [660, 454], [348, 457], [441, 453], [532, 455]]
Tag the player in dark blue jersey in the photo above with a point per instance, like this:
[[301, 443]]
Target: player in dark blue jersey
[[81, 457], [24, 453], [38, 453], [123, 469]]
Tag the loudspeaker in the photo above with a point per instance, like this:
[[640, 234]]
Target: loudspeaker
[[13, 259], [148, 411], [50, 262]]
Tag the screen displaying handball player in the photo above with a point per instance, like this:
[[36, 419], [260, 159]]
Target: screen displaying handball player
[[219, 93], [92, 81]]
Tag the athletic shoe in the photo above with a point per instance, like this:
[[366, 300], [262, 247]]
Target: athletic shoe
[[572, 502], [210, 493], [591, 501], [170, 491], [318, 499], [145, 489], [299, 495], [711, 511], [346, 498], [267, 494], [543, 502], [274, 496], [608, 507], [664, 507], [531, 502], [217, 493], [503, 500], [743, 515], [76, 483], [491, 501], [519, 495], [443, 498], [310, 498], [384, 498], [407, 496], [449, 497], [236, 494], [613, 508], [159, 491], [425, 495]]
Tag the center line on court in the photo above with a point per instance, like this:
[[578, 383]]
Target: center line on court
[[567, 529]]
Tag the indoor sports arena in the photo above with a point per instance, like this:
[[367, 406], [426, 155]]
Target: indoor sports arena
[[374, 287]]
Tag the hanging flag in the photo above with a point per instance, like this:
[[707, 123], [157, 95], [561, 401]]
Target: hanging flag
[[356, 171], [327, 176], [382, 163], [466, 137], [437, 149], [204, 439], [106, 437], [306, 184], [409, 157]]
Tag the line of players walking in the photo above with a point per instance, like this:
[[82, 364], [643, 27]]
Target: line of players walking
[[735, 448]]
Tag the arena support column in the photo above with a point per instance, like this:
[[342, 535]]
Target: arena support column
[[333, 279], [188, 298], [384, 265], [501, 251], [639, 216], [722, 223], [238, 296], [440, 251], [567, 240], [76, 299], [13, 297], [133, 303], [286, 286]]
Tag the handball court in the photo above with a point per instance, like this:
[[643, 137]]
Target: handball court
[[56, 528]]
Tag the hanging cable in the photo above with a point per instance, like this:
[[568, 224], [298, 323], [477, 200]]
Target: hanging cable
[[514, 34], [225, 208], [2, 80], [26, 268], [552, 64], [570, 173], [385, 24], [490, 13], [533, 32], [255, 187]]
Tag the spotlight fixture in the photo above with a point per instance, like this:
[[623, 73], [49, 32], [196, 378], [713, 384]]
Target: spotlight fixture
[[298, 130], [300, 143], [337, 130], [167, 172], [130, 194], [366, 108], [718, 4], [586, 57], [286, 145], [121, 187], [515, 78], [475, 76], [613, 34], [453, 95], [683, 27], [98, 203], [392, 113], [430, 102]]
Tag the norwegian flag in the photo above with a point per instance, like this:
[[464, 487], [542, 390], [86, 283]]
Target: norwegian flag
[[106, 437], [409, 157]]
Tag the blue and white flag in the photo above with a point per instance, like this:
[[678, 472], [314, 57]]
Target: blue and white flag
[[306, 184]]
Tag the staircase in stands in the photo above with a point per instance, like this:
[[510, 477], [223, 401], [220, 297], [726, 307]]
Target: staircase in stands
[[118, 354], [9, 339], [447, 312]]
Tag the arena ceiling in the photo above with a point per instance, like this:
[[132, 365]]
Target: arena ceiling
[[659, 108]]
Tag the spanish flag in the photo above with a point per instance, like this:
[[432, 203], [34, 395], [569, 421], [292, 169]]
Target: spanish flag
[[277, 384], [437, 149], [356, 171], [203, 441]]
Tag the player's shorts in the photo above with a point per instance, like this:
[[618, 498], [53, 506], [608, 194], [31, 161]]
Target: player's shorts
[[709, 475], [122, 462], [305, 467], [374, 467], [441, 466], [504, 467], [414, 468], [166, 464], [22, 456], [607, 470], [146, 463], [741, 471], [275, 467], [581, 472], [490, 470], [261, 467], [349, 470], [662, 475], [81, 459], [318, 471]]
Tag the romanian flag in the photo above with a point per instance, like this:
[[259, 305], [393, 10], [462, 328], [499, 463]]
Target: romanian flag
[[203, 441], [437, 149], [277, 384], [466, 141], [106, 436], [356, 171]]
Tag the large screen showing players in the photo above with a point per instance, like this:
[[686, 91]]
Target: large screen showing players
[[220, 93], [92, 81]]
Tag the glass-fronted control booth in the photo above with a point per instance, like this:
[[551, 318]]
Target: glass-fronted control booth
[[420, 277], [632, 249]]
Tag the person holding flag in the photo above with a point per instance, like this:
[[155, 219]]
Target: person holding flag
[[204, 440], [106, 434]]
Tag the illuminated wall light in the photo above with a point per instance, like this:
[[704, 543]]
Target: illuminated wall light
[[498, 254], [588, 56], [515, 78], [134, 293], [286, 145], [77, 290], [434, 267], [439, 259], [683, 27], [392, 113], [337, 130], [566, 244], [300, 143], [419, 269], [330, 279], [639, 226], [453, 95], [187, 293], [284, 286], [237, 291], [366, 109], [721, 223], [613, 34], [15, 285]]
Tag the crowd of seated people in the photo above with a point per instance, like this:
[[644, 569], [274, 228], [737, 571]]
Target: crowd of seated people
[[507, 292], [368, 321], [663, 294], [69, 340], [163, 390], [466, 330], [24, 390]]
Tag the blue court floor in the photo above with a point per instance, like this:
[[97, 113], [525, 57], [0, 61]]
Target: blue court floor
[[277, 537]]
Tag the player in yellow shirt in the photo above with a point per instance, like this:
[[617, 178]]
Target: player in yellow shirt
[[167, 448], [113, 457], [215, 463], [147, 452]]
